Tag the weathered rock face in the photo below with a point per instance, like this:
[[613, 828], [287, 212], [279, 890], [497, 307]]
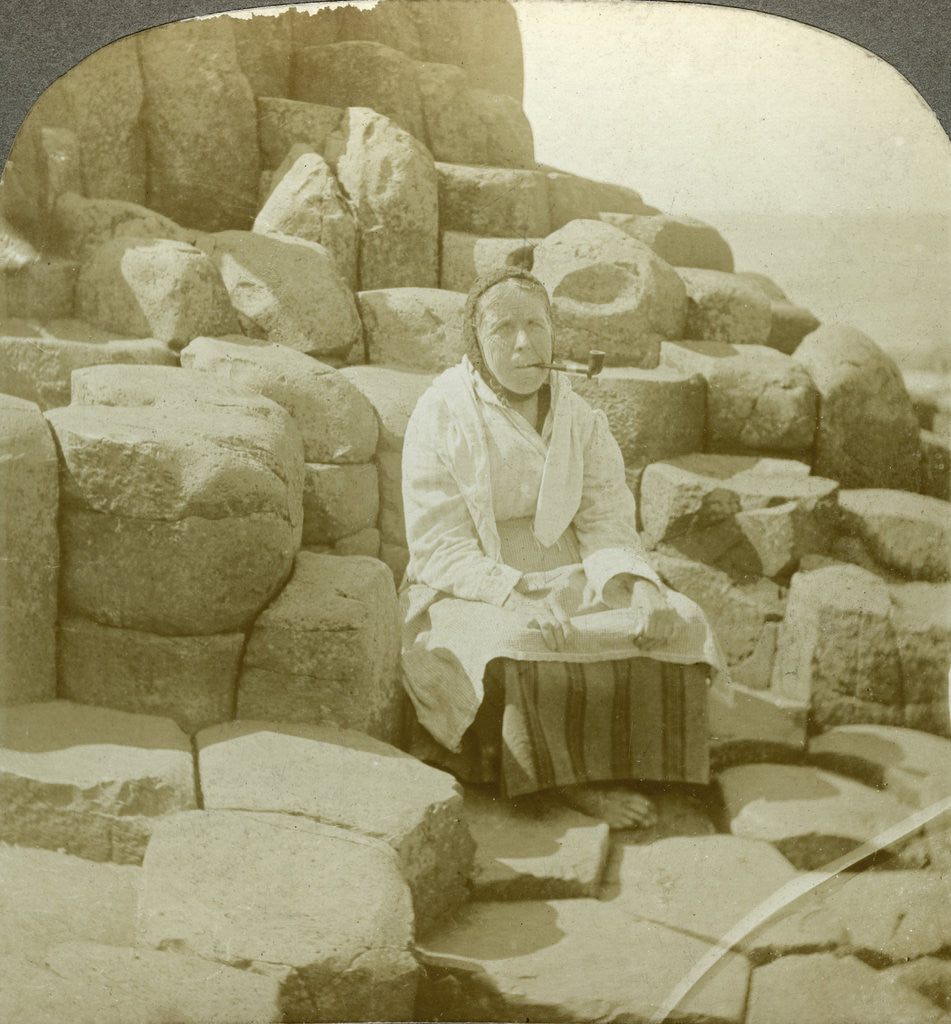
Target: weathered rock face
[[415, 327], [284, 123], [29, 554], [323, 910], [463, 258], [338, 501], [392, 513], [921, 617], [263, 47], [493, 201], [306, 202], [391, 180], [286, 290], [653, 414], [679, 241], [155, 288], [325, 652], [757, 398], [45, 289], [790, 324], [202, 126], [868, 430], [83, 225], [935, 465], [393, 393], [336, 423], [572, 197], [725, 307], [90, 781], [609, 292], [36, 363], [190, 679], [340, 777]]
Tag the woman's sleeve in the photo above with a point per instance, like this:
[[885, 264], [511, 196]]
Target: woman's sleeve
[[444, 547], [605, 522]]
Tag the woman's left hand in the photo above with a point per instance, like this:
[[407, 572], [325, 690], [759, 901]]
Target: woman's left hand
[[655, 619]]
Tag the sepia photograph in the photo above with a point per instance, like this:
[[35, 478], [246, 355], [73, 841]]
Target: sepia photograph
[[475, 520]]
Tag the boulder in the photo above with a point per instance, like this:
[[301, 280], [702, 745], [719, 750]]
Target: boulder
[[831, 988], [203, 162], [930, 391], [392, 25], [306, 202], [263, 46], [739, 513], [725, 307], [84, 225], [390, 179], [570, 960], [95, 983], [155, 288], [90, 781], [337, 424], [415, 327], [363, 542], [325, 652], [868, 430], [322, 909], [392, 514], [464, 258], [572, 197], [935, 465], [546, 851], [766, 284], [907, 533], [284, 123], [36, 363], [608, 292], [361, 73], [789, 324], [811, 816], [287, 290], [747, 724], [493, 201], [757, 398], [49, 898], [338, 501], [679, 241], [29, 554], [921, 618], [393, 393], [44, 290], [190, 679], [653, 414], [344, 778]]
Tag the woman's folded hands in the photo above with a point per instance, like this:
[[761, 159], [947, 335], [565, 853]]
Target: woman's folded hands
[[547, 614]]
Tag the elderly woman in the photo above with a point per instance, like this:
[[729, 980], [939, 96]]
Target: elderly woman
[[540, 648]]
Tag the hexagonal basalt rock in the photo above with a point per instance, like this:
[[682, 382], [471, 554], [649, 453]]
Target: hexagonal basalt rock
[[414, 327], [90, 781], [679, 241], [393, 393], [725, 307], [345, 778], [463, 258], [338, 501], [325, 652], [492, 201], [323, 910]]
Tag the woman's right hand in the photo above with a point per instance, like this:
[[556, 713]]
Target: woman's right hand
[[544, 615]]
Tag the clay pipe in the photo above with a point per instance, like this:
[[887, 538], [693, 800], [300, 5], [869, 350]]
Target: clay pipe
[[594, 367]]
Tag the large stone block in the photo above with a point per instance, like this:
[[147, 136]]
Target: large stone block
[[90, 781], [653, 414], [725, 307], [935, 465], [322, 909], [464, 258], [609, 292], [263, 46], [336, 422], [325, 652], [338, 501], [493, 201], [287, 290], [907, 533], [83, 225], [203, 160], [306, 202], [284, 123], [340, 777], [415, 327], [390, 178], [921, 617], [572, 197], [789, 325], [392, 513], [49, 898], [44, 290], [679, 241], [190, 679], [757, 398], [155, 288], [393, 393], [29, 554], [868, 429]]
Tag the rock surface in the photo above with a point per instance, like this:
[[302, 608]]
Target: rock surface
[[921, 617], [90, 781], [412, 327], [338, 501], [493, 202], [324, 910], [789, 325], [393, 393], [725, 307], [284, 123], [573, 197], [325, 651], [84, 225], [344, 778], [463, 258], [679, 241]]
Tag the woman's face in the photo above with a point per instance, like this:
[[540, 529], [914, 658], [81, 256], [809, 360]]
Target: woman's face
[[514, 330]]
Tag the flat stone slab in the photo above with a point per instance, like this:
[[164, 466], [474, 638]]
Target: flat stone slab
[[811, 816], [806, 925], [827, 988], [928, 976], [538, 850], [571, 960], [345, 778], [48, 898], [90, 781], [324, 910], [100, 984]]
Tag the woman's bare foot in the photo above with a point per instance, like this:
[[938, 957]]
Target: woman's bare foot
[[619, 807]]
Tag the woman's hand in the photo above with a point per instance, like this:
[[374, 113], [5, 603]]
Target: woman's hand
[[546, 615], [655, 620]]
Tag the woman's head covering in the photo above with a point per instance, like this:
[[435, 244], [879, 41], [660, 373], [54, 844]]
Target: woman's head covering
[[470, 337]]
